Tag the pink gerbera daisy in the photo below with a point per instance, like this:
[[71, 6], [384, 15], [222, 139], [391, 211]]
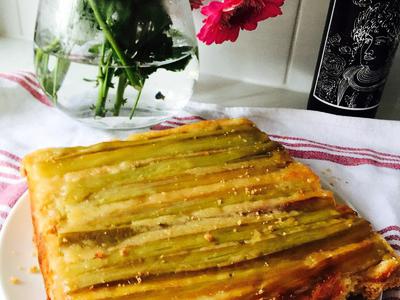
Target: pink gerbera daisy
[[225, 19]]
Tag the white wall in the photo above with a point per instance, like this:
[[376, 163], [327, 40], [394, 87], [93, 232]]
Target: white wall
[[260, 57], [282, 52]]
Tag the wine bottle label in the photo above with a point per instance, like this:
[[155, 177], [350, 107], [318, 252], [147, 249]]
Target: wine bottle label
[[360, 44]]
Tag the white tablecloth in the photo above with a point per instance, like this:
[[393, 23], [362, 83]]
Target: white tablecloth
[[357, 158]]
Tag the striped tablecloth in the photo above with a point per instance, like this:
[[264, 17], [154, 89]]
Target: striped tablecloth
[[357, 158]]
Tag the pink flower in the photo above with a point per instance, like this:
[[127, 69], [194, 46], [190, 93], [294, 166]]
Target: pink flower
[[195, 4], [225, 19]]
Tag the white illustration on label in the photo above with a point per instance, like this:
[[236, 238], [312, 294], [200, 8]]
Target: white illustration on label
[[354, 67]]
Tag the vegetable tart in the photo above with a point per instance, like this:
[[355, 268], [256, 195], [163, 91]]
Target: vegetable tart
[[212, 210]]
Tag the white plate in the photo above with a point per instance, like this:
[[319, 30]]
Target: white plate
[[17, 256]]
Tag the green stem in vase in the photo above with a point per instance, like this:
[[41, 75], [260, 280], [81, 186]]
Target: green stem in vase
[[55, 80], [119, 99], [51, 79], [104, 78], [41, 65], [60, 71], [136, 103]]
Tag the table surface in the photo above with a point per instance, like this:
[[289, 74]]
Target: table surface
[[17, 55]]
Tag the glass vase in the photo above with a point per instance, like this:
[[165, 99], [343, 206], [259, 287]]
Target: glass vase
[[116, 64]]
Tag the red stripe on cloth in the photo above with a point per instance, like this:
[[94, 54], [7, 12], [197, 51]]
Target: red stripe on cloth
[[342, 160], [333, 146], [301, 145], [9, 165], [35, 93], [12, 193], [189, 118], [27, 76], [175, 123], [389, 228], [392, 237], [10, 155], [9, 176]]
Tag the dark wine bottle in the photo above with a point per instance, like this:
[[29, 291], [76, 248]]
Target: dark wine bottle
[[357, 50]]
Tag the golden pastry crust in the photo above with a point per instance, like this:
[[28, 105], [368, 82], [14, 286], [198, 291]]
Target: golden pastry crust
[[211, 210]]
